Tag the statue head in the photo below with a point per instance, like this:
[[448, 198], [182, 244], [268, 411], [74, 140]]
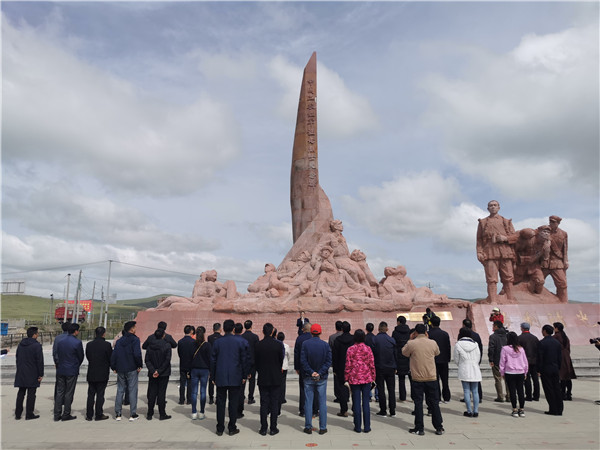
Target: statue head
[[554, 222], [544, 232], [209, 275], [326, 251], [357, 255], [270, 268], [305, 256], [527, 233], [493, 206], [336, 225]]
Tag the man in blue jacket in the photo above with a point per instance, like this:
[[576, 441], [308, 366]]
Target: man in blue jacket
[[126, 362], [315, 360], [298, 368], [384, 351], [69, 356], [230, 367]]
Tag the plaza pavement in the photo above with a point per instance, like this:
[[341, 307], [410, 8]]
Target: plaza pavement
[[578, 428]]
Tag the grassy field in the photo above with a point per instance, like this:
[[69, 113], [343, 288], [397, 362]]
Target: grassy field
[[36, 309]]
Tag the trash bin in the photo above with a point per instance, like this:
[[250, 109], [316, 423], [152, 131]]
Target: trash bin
[[3, 328]]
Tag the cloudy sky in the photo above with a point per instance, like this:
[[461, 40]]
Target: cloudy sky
[[160, 135]]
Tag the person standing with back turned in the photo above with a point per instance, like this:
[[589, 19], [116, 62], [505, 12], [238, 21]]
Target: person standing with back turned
[[29, 374], [98, 353]]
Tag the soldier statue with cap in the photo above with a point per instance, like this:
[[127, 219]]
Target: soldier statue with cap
[[558, 263]]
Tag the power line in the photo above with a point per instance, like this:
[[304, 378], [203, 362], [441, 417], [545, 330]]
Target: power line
[[54, 268]]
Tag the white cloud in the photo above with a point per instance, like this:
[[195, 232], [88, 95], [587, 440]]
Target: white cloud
[[527, 121], [59, 108], [342, 112]]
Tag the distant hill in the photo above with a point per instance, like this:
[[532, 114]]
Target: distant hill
[[148, 302]]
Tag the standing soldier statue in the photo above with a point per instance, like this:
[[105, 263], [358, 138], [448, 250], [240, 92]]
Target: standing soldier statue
[[558, 263]]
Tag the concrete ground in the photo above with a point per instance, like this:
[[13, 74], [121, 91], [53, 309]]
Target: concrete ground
[[578, 428]]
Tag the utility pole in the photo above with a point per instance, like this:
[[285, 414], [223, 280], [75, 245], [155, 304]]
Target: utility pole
[[67, 299], [77, 298], [107, 293], [92, 305], [51, 308]]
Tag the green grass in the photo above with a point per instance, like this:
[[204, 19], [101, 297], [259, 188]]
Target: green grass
[[34, 309]]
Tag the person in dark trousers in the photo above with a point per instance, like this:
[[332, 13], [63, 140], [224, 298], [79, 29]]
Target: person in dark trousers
[[30, 371], [441, 361], [238, 330], [302, 320], [530, 344], [401, 335], [567, 373], [268, 357], [385, 368], [69, 354], [229, 365], [315, 360], [252, 340], [126, 362], [331, 340], [98, 353], [475, 336], [186, 346], [549, 362], [168, 338], [298, 368], [422, 352], [158, 362], [369, 327], [284, 369], [211, 340], [496, 342], [340, 347]]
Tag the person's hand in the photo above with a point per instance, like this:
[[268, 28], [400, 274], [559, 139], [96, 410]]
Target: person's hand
[[244, 381], [155, 374], [480, 257], [40, 379], [114, 371], [138, 369], [491, 364], [298, 372]]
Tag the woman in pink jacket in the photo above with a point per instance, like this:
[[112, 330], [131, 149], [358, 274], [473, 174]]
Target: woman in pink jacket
[[360, 373], [514, 367]]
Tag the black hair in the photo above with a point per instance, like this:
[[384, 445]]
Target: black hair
[[338, 325], [99, 331], [382, 326], [401, 319], [188, 329], [346, 327], [464, 332], [31, 331], [281, 336], [238, 328], [370, 327], [435, 321], [248, 324], [73, 327], [201, 328], [129, 325], [498, 324], [513, 340], [268, 329], [199, 336], [159, 333], [420, 328], [162, 325], [228, 326], [467, 323], [359, 336], [559, 326], [216, 326], [65, 326], [549, 329]]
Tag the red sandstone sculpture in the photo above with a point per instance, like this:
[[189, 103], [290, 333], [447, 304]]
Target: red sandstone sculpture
[[558, 262]]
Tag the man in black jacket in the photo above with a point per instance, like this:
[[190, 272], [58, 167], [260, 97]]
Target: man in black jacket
[[268, 357], [211, 340], [168, 338], [549, 361], [340, 347], [186, 346], [98, 353], [158, 362], [30, 371], [496, 342], [530, 344], [401, 335], [385, 369], [252, 341], [441, 361]]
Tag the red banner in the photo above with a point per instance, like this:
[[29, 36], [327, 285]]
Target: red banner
[[87, 305]]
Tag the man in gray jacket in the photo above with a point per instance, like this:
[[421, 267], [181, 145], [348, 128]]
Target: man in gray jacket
[[497, 341]]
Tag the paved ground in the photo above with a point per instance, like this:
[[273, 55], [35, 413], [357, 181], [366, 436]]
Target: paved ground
[[578, 428]]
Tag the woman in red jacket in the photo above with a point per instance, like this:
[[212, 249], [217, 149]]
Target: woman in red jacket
[[360, 374]]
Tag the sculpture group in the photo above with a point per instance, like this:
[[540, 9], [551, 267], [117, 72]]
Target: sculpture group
[[522, 258], [319, 273]]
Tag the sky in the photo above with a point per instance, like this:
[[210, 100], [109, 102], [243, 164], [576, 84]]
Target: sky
[[159, 136]]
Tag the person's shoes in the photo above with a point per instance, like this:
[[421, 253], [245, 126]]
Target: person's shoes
[[597, 402], [187, 402], [68, 417], [273, 431], [507, 399], [476, 414], [417, 432], [528, 399], [323, 431], [117, 417], [219, 433], [521, 413], [35, 416], [568, 398], [102, 417], [165, 417], [180, 402], [393, 414], [515, 413], [467, 414], [89, 419], [499, 400], [301, 414], [262, 432], [201, 416], [194, 416], [367, 431], [462, 400], [536, 399], [308, 430], [211, 401], [336, 400], [251, 401], [382, 413], [17, 417], [413, 413], [342, 414], [356, 431], [133, 417], [233, 432], [148, 416], [239, 416], [428, 412], [440, 431], [58, 418]]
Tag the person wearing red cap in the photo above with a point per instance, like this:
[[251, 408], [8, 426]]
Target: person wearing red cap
[[315, 360]]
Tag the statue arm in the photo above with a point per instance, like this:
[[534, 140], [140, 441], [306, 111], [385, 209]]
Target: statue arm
[[565, 249], [480, 253]]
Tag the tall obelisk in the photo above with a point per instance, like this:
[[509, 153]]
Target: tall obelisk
[[311, 209]]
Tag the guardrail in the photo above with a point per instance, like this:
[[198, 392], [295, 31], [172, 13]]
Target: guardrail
[[47, 337]]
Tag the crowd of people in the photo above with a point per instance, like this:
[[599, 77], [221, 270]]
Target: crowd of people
[[364, 365]]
